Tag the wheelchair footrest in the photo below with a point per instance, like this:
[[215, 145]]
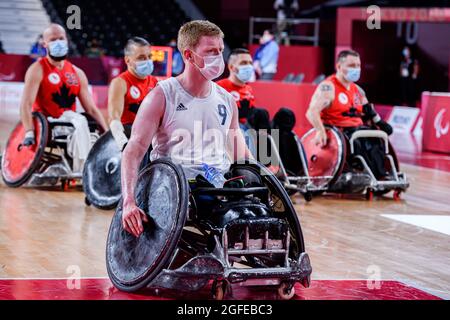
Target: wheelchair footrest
[[264, 236], [299, 270]]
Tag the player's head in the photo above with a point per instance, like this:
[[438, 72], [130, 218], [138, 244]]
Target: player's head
[[348, 65], [267, 36], [138, 57], [201, 45], [55, 40], [240, 64]]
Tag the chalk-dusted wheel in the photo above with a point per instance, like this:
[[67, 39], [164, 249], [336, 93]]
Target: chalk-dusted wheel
[[162, 193], [101, 173]]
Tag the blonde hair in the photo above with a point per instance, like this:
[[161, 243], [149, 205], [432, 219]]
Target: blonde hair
[[190, 33]]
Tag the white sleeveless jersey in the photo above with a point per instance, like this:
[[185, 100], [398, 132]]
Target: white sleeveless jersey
[[194, 130]]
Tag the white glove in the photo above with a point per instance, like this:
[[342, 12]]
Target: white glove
[[29, 138], [118, 133]]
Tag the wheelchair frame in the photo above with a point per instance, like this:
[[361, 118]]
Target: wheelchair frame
[[398, 181], [205, 252], [52, 162]]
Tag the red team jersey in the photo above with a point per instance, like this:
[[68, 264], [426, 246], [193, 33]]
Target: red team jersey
[[58, 89], [344, 100], [137, 89], [241, 95]]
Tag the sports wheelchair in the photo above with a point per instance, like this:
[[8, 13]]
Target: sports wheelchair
[[246, 232], [101, 172], [339, 167], [47, 162], [277, 146]]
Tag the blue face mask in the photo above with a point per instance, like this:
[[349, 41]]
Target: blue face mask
[[144, 68], [58, 48], [353, 74], [245, 73]]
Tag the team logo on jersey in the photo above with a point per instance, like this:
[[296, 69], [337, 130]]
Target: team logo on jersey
[[181, 107], [343, 98], [54, 78], [134, 92], [235, 95]]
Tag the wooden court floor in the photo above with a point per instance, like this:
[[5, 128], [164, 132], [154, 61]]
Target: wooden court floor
[[48, 233]]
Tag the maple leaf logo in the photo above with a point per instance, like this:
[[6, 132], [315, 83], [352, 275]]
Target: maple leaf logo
[[134, 107], [62, 98]]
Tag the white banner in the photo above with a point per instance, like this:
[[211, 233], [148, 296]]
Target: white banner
[[11, 95], [403, 119]]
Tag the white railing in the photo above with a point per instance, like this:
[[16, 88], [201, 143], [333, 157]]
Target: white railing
[[314, 39]]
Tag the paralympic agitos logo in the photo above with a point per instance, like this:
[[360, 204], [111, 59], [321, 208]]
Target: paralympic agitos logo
[[440, 129]]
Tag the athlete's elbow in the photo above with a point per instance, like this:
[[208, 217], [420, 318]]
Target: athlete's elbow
[[310, 115]]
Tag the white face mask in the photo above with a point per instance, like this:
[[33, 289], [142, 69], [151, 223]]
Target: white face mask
[[213, 66]]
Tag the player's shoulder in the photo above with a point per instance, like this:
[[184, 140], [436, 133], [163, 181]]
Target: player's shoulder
[[222, 91], [153, 80], [35, 71], [326, 86], [223, 82], [118, 82], [77, 70], [36, 66]]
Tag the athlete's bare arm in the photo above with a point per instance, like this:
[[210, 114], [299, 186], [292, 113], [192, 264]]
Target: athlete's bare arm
[[116, 101], [144, 128], [87, 101], [236, 144], [321, 99], [33, 78], [363, 94], [116, 98]]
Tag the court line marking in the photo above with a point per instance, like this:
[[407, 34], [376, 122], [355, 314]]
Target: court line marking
[[436, 223], [437, 171]]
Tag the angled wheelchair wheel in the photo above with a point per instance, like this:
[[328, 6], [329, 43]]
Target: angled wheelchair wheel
[[281, 204], [101, 173], [162, 193], [328, 161], [18, 161]]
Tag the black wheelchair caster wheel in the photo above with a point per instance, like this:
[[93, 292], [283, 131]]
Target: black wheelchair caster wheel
[[308, 196], [286, 291], [87, 202]]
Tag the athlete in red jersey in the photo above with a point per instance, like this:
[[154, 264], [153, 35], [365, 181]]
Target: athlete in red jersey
[[127, 91], [53, 83], [240, 64], [338, 99]]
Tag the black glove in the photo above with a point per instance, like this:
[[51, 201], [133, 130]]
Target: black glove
[[244, 109], [369, 112], [29, 139], [384, 126]]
